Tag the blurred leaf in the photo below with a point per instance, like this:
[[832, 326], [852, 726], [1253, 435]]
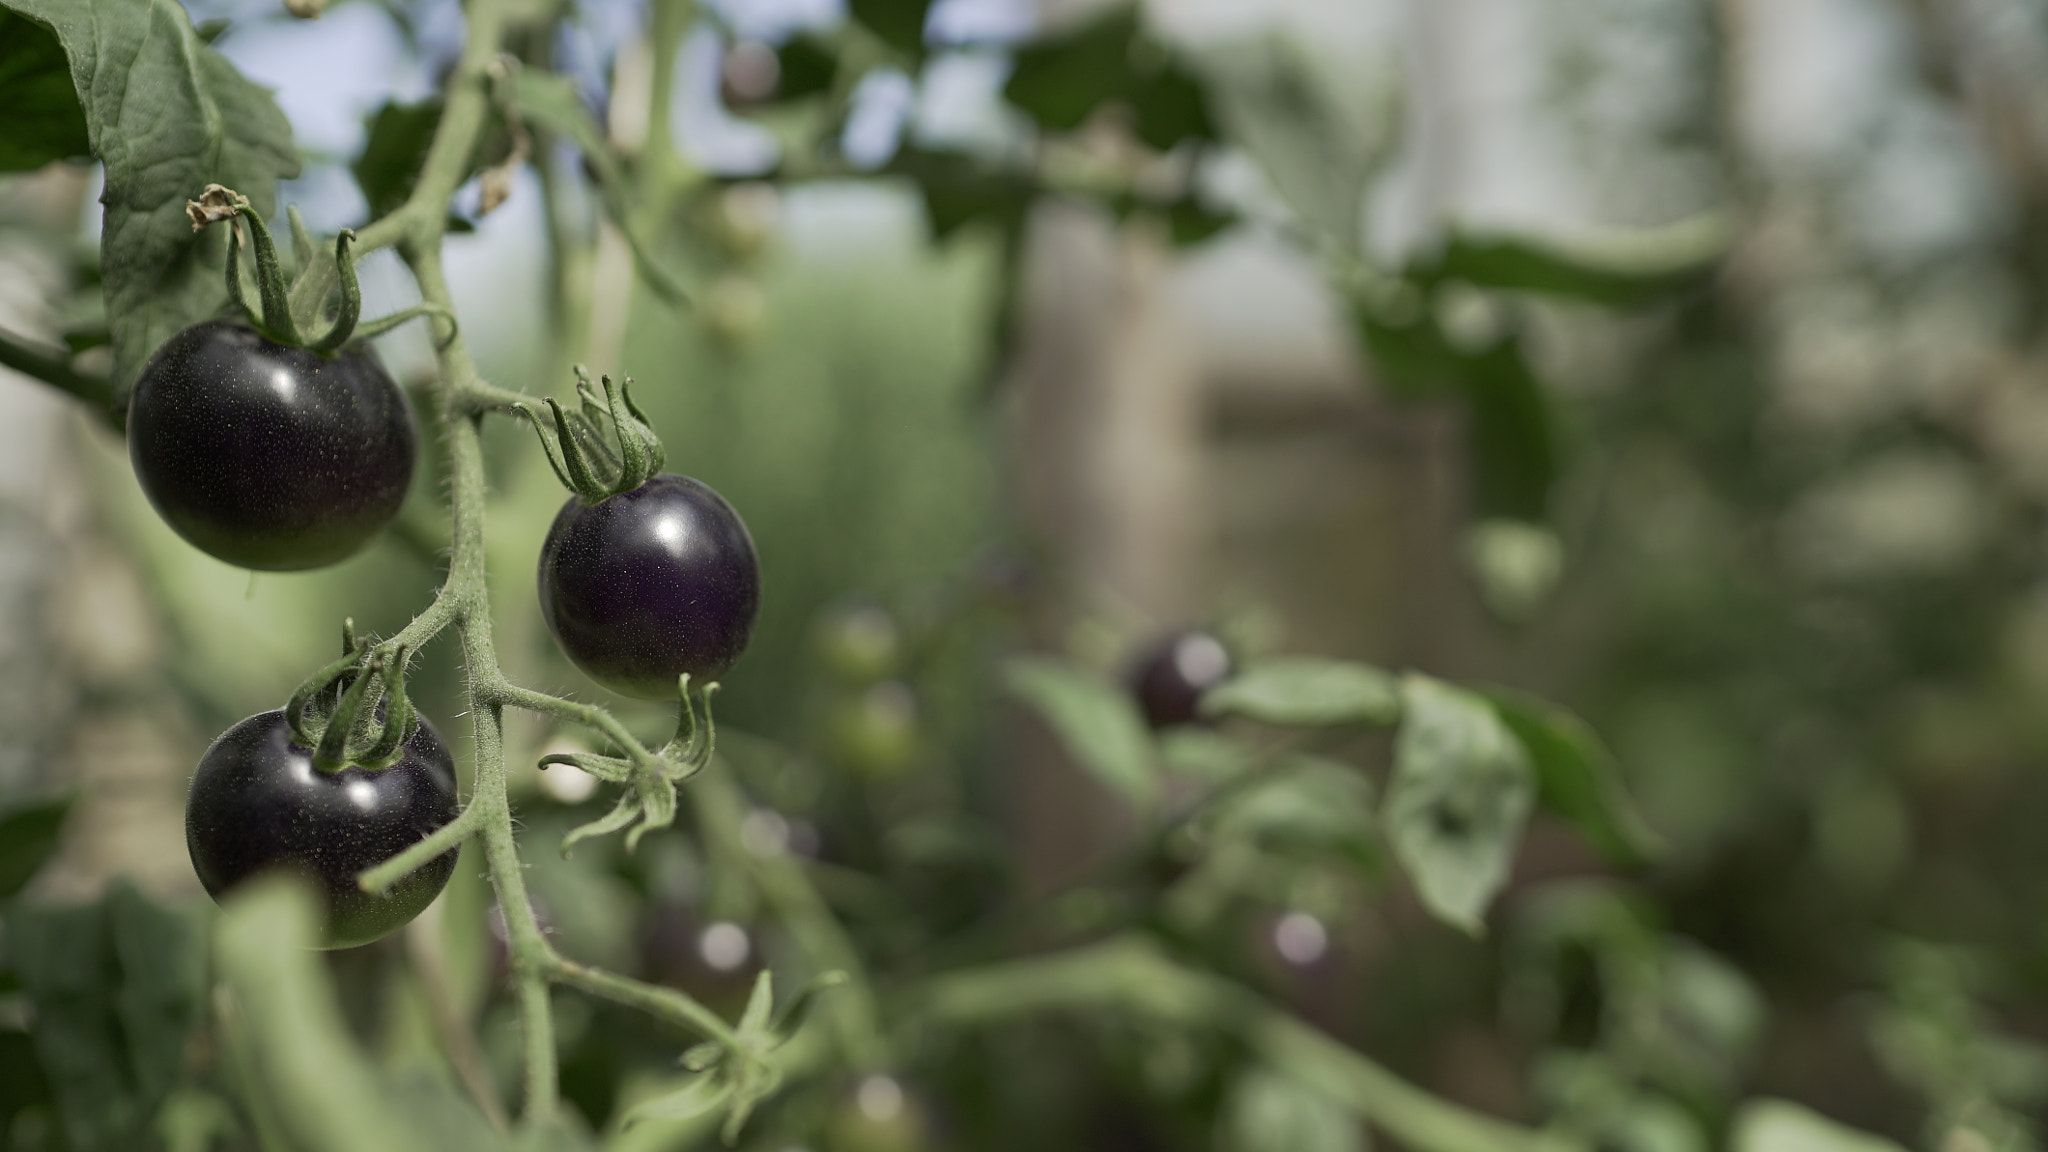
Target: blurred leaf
[[1170, 103], [28, 836], [958, 190], [22, 1083], [1190, 223], [1782, 1126], [1318, 136], [167, 116], [68, 968], [1204, 753], [1060, 79], [899, 22], [1305, 803], [394, 150], [1460, 791], [1307, 691], [1619, 270], [44, 121], [808, 66], [1410, 352], [285, 1033], [194, 1120], [1270, 1111], [1095, 720], [701, 1095], [162, 962], [1577, 778], [1513, 446]]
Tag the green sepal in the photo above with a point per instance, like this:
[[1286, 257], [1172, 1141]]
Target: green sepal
[[351, 297]]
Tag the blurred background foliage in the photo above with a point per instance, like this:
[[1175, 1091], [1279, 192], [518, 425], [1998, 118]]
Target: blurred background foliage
[[1678, 361]]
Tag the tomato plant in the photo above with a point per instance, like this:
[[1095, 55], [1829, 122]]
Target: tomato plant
[[1154, 979], [267, 455], [259, 803]]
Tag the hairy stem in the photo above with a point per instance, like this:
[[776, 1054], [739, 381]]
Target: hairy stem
[[666, 1003]]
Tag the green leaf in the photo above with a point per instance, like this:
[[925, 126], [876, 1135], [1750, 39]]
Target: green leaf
[[958, 190], [28, 835], [1577, 778], [1170, 103], [1305, 803], [44, 121], [1307, 691], [1514, 454], [284, 1034], [162, 962], [167, 115], [69, 970], [808, 68], [1782, 1126], [1408, 349], [1616, 269], [1459, 794], [1318, 134], [899, 22], [394, 151], [22, 1083], [1270, 1111], [1095, 720], [1060, 79], [701, 1095], [1190, 222]]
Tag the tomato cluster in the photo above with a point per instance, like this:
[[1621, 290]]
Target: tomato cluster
[[275, 456]]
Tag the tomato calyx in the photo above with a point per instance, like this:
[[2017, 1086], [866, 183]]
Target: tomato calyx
[[651, 799], [275, 320], [580, 446], [354, 713]]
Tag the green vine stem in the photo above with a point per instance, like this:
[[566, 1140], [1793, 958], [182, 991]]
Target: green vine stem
[[458, 400], [1129, 973]]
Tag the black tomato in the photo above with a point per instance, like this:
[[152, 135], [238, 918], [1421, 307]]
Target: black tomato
[[267, 455], [257, 803], [1170, 677], [642, 587]]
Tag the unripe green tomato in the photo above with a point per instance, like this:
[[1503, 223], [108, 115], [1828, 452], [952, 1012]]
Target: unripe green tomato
[[859, 643], [735, 311], [874, 733]]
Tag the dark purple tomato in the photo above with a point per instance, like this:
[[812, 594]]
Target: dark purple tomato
[[257, 803], [1171, 676], [642, 587], [267, 455]]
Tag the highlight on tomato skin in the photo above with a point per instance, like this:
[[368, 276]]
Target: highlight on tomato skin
[[642, 588], [257, 804], [269, 456]]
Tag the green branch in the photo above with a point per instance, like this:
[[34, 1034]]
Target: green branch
[[1129, 974], [54, 368]]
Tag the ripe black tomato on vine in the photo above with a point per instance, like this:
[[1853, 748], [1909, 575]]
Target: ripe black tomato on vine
[[268, 455], [257, 803], [644, 586], [1171, 676]]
